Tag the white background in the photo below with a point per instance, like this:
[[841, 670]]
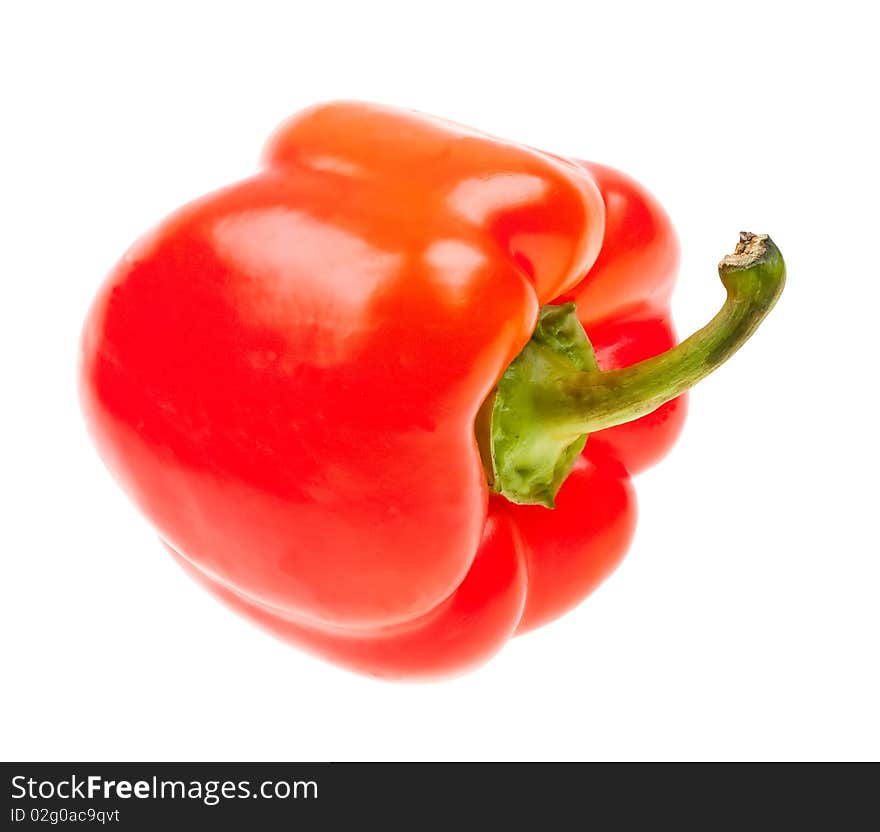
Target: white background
[[744, 621]]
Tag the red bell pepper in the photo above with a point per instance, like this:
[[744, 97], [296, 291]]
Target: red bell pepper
[[347, 390]]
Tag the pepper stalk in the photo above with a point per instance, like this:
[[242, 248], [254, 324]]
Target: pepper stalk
[[553, 395]]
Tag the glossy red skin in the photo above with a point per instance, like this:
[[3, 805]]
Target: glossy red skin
[[284, 376], [639, 258]]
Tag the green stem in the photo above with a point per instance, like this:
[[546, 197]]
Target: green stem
[[753, 276], [553, 395]]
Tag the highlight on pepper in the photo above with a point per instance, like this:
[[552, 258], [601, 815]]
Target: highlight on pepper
[[386, 396]]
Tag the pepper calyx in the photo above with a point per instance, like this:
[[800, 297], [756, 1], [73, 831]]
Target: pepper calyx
[[527, 461]]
